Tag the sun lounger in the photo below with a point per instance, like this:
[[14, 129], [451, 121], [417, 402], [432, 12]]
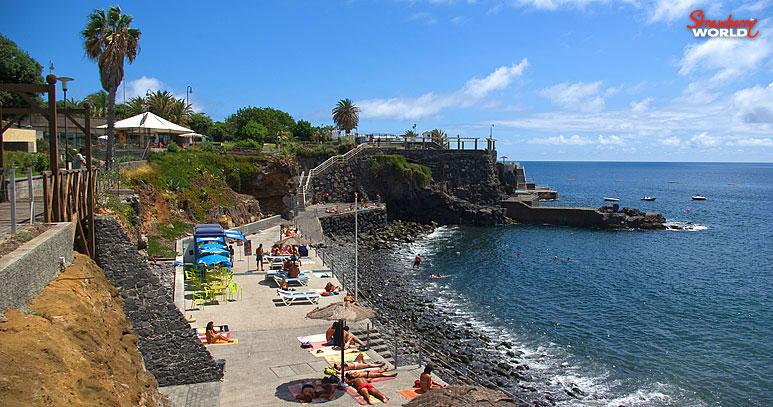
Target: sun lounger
[[289, 297], [301, 281], [279, 273]]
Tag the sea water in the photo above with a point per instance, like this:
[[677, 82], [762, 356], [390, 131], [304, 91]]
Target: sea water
[[630, 317]]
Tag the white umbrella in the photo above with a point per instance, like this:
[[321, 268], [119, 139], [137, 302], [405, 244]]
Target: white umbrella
[[149, 121]]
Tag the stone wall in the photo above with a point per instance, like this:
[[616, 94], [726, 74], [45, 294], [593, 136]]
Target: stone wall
[[26, 270], [343, 224], [605, 217], [170, 349]]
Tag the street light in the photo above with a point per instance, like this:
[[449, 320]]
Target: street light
[[188, 91], [65, 80]]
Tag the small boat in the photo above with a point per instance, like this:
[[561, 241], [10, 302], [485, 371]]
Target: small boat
[[611, 199], [648, 198], [698, 198]]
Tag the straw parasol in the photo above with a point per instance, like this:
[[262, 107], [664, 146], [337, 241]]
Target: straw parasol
[[462, 396], [342, 312]]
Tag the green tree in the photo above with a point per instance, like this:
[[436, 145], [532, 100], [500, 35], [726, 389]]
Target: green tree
[[437, 136], [253, 131], [221, 132], [135, 106], [200, 123], [303, 131], [16, 66], [109, 40], [275, 121], [346, 115]]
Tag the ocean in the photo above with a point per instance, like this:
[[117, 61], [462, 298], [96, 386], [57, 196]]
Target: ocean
[[669, 317]]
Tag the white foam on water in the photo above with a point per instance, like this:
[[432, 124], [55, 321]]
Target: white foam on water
[[681, 226]]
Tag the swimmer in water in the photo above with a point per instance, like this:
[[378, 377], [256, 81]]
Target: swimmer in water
[[437, 276]]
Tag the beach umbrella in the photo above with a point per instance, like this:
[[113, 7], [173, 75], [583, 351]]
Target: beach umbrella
[[342, 312], [462, 396], [234, 234], [291, 241], [213, 259], [214, 250], [206, 246]]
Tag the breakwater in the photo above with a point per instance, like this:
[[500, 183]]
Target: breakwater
[[608, 217]]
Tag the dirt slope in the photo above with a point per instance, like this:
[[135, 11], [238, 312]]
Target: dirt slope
[[74, 347]]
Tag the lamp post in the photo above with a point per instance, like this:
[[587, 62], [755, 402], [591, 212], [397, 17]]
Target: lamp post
[[65, 80], [188, 91], [356, 247]]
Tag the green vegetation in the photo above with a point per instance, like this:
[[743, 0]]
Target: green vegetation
[[393, 165], [346, 115], [161, 103], [22, 160], [16, 66], [158, 249]]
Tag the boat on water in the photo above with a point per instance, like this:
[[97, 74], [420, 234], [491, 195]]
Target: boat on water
[[698, 198], [648, 198], [608, 199]]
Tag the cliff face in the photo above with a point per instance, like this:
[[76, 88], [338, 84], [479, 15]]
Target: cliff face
[[464, 188], [74, 347]]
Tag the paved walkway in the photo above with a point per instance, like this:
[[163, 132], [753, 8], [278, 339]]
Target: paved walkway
[[268, 355]]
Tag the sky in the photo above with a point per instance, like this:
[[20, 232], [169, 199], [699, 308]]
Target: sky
[[617, 80]]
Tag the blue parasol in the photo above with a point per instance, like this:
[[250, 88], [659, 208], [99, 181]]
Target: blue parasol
[[234, 234], [214, 250], [213, 259], [212, 246]]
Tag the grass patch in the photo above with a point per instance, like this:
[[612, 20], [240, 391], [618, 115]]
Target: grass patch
[[395, 165], [174, 229], [158, 248]]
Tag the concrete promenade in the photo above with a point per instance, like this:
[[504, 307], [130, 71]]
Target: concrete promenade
[[268, 355]]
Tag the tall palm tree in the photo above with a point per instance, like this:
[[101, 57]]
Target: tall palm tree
[[438, 136], [109, 40], [346, 115]]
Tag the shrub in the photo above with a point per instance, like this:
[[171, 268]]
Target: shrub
[[385, 165], [172, 147]]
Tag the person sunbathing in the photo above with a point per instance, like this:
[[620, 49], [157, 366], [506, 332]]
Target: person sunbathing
[[426, 382], [366, 389], [349, 338], [349, 298], [358, 363], [215, 337], [294, 271], [311, 391], [370, 374], [331, 288]]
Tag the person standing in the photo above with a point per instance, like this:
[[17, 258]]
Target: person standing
[[259, 256], [231, 252], [417, 261]]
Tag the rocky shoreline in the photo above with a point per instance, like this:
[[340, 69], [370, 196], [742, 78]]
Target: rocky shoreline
[[460, 352]]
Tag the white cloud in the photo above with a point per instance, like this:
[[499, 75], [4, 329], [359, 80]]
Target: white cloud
[[610, 140], [423, 17], [642, 105], [705, 140], [755, 104], [754, 142], [672, 141], [556, 4], [671, 10], [582, 96], [727, 59], [575, 140], [430, 104]]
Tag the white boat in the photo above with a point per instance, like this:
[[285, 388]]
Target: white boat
[[698, 198], [608, 199], [648, 198]]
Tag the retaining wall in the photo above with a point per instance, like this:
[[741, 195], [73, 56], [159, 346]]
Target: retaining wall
[[343, 224], [578, 217], [25, 271], [170, 349]]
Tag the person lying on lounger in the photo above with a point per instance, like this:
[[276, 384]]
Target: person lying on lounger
[[311, 391], [214, 336], [369, 374], [331, 288], [366, 389], [425, 381], [358, 363]]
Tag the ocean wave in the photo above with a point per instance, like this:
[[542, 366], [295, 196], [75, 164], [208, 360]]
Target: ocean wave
[[684, 226]]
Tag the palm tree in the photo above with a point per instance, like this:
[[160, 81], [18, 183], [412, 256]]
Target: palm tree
[[98, 102], [135, 106], [109, 40], [438, 136], [346, 115]]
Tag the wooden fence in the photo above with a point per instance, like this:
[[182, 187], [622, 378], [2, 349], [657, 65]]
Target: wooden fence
[[75, 197]]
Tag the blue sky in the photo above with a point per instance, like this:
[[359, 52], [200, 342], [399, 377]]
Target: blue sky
[[559, 79]]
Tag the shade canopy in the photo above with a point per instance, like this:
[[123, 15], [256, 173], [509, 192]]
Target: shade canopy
[[214, 250], [212, 246], [342, 311], [213, 259], [462, 396], [149, 121], [234, 234]]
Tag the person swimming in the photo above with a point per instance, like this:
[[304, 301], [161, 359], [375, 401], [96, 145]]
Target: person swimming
[[437, 276]]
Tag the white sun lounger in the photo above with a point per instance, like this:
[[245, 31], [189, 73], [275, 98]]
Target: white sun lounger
[[289, 297], [302, 280]]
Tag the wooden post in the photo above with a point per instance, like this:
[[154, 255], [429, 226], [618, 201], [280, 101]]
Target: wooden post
[[46, 192], [53, 147], [31, 192], [12, 197]]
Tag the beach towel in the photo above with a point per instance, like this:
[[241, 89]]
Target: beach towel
[[203, 336], [359, 399], [349, 356], [409, 393], [235, 341]]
